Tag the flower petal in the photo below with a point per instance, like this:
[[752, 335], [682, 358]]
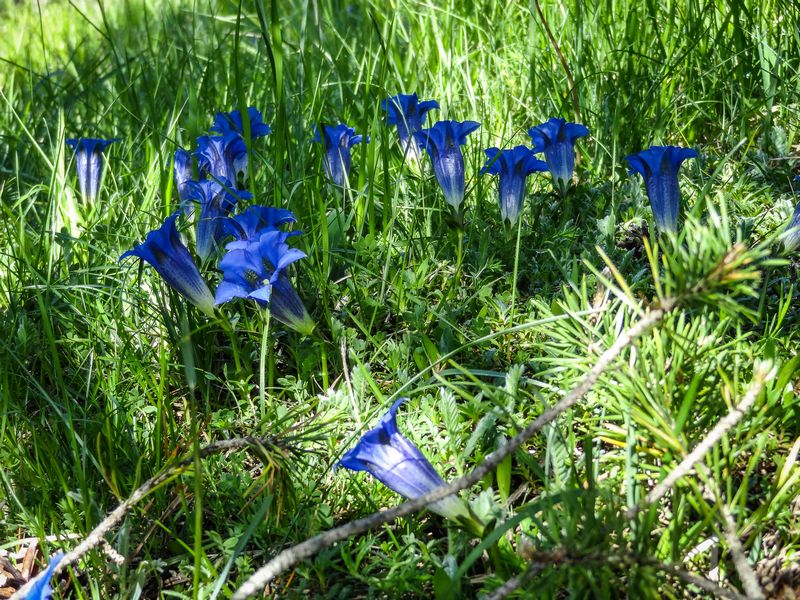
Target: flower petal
[[166, 253], [658, 166], [398, 464], [42, 589]]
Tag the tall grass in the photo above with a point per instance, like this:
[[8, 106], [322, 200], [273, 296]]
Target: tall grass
[[106, 377]]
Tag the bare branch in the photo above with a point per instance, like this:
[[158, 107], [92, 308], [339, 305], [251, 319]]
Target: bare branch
[[743, 568]]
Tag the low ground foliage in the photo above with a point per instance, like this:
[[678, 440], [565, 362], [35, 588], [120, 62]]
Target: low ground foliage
[[108, 377]]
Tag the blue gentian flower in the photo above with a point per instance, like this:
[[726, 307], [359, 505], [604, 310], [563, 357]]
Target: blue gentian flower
[[659, 166], [89, 163], [791, 235], [216, 199], [42, 590], [443, 142], [408, 114], [399, 465], [513, 166], [182, 169], [225, 123], [221, 156], [250, 224], [165, 252], [338, 140], [258, 271], [556, 138]]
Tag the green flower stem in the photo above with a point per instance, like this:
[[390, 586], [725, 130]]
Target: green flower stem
[[459, 263], [514, 283], [235, 349], [262, 384]]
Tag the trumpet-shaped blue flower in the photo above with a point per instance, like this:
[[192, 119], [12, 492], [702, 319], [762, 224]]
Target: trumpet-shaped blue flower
[[791, 235], [183, 175], [399, 465], [658, 166], [216, 199], [338, 140], [89, 163], [556, 138], [42, 590], [407, 113], [249, 225], [513, 166], [225, 123], [165, 252], [221, 156], [443, 142], [258, 271]]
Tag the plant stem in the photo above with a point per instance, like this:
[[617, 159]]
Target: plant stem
[[235, 350], [198, 496], [262, 384], [459, 262], [324, 362], [514, 284]]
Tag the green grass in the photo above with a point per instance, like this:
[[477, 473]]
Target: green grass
[[107, 377]]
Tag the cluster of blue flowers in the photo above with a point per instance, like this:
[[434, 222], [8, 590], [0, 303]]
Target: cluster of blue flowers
[[383, 451], [554, 138], [256, 256]]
